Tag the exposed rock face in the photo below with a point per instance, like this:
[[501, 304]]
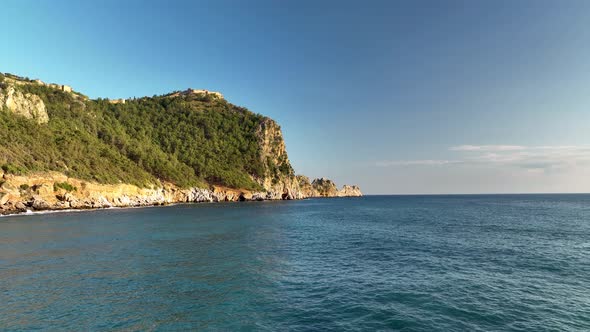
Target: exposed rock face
[[39, 192], [305, 187], [27, 105], [349, 191], [325, 187], [42, 192], [279, 180]]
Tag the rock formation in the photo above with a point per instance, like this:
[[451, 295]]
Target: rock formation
[[279, 180], [28, 105], [349, 191], [55, 191], [325, 188]]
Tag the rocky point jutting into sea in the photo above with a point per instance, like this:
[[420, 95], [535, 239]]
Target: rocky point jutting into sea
[[61, 150]]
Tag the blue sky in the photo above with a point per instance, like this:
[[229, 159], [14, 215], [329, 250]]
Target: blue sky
[[396, 96]]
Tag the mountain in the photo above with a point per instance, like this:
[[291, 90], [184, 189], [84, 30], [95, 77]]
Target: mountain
[[60, 149]]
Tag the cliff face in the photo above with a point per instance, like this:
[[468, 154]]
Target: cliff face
[[28, 105], [278, 180], [349, 191], [305, 187], [72, 152], [325, 188]]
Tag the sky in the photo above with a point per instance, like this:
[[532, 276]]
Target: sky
[[399, 97]]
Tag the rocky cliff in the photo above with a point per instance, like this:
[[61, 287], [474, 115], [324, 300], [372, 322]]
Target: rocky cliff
[[70, 152], [278, 178], [349, 191], [28, 105], [323, 187]]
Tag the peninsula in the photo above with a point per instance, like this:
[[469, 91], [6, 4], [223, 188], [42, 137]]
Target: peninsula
[[61, 150]]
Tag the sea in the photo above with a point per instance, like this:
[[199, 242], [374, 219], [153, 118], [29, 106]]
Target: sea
[[375, 263]]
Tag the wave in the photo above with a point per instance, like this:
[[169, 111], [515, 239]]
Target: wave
[[41, 212]]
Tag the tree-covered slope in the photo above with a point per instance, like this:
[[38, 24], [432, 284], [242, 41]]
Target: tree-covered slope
[[188, 139]]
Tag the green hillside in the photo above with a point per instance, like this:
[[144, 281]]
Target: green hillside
[[187, 139]]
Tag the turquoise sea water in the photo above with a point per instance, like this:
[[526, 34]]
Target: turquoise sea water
[[409, 263]]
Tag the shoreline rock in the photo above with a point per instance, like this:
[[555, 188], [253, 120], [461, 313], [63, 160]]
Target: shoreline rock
[[43, 192]]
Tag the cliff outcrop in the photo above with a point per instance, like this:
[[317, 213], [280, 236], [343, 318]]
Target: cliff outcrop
[[28, 105], [323, 187], [350, 191], [278, 178]]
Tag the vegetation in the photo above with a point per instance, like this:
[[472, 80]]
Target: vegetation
[[10, 168], [64, 185], [189, 140]]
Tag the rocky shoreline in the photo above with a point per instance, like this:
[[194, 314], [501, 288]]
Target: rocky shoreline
[[55, 191]]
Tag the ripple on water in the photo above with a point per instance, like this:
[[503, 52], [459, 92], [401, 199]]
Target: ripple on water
[[408, 263]]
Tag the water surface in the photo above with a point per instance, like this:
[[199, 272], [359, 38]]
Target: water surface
[[409, 263]]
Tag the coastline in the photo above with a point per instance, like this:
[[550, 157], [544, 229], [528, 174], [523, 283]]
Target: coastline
[[53, 191], [129, 207], [43, 212]]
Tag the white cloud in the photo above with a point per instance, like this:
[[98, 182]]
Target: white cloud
[[561, 147], [487, 148], [428, 162], [539, 158], [546, 158]]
